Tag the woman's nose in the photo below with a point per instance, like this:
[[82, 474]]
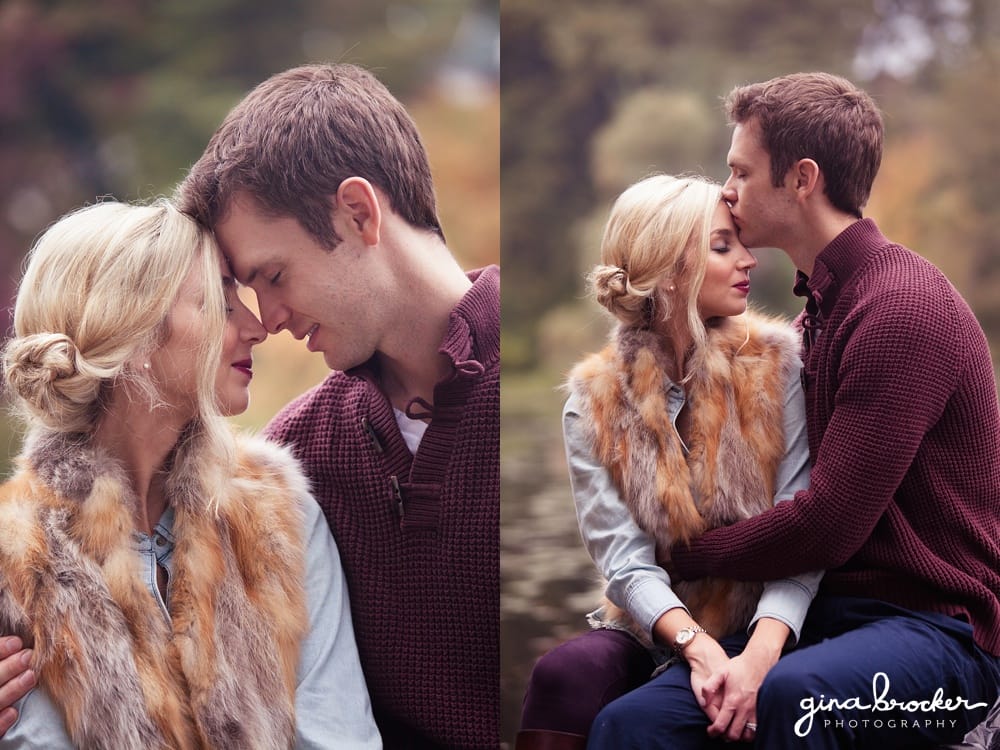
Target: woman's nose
[[748, 261]]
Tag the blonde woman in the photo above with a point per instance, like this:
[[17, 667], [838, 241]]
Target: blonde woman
[[690, 418], [176, 583]]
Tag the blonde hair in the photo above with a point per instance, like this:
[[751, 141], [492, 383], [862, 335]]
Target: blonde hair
[[94, 302], [658, 234]]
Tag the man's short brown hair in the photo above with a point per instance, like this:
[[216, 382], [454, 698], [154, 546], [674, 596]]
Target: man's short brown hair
[[821, 117], [292, 140]]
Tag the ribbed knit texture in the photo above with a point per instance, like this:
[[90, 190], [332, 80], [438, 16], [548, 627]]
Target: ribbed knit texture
[[423, 574], [904, 434]]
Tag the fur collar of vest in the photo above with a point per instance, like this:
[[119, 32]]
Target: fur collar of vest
[[221, 673], [735, 403]]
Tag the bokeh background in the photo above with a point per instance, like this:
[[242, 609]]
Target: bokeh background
[[119, 97], [597, 94]]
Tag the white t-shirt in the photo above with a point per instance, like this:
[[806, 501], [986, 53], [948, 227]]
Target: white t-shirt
[[412, 429]]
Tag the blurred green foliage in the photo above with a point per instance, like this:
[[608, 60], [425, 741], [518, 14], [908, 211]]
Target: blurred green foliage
[[597, 94]]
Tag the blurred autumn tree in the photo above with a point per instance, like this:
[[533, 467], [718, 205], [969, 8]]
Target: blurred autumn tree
[[119, 97], [597, 94]]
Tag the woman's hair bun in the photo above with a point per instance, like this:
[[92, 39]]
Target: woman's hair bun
[[48, 376], [610, 283], [613, 291]]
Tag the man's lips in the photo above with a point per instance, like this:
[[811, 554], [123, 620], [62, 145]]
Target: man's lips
[[309, 336]]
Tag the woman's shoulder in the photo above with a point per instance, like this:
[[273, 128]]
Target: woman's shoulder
[[752, 348], [772, 330], [621, 351], [20, 497], [262, 461], [265, 493]]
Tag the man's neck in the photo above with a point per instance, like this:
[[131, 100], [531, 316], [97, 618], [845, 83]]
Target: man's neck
[[814, 236], [430, 284]]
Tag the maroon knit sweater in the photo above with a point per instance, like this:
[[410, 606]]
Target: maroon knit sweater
[[418, 536], [904, 433]]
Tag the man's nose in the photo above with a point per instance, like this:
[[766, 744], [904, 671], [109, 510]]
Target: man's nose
[[273, 315], [729, 192]]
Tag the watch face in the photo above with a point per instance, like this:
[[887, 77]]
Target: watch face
[[684, 636]]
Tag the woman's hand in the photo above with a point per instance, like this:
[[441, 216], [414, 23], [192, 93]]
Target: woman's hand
[[706, 658], [703, 654]]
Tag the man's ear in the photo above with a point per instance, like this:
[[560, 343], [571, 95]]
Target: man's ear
[[805, 176], [357, 200]]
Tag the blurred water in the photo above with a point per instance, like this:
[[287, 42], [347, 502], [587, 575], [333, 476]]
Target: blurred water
[[548, 581]]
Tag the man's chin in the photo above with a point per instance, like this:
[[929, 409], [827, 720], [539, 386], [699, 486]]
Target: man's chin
[[332, 362], [339, 363]]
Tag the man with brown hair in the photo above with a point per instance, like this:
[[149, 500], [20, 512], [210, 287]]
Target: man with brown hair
[[901, 646], [319, 191]]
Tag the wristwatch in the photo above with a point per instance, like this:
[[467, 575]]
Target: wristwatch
[[684, 637]]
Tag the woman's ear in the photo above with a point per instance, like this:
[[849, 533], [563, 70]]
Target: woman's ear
[[358, 202]]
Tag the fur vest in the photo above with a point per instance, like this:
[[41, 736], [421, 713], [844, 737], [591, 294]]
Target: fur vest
[[735, 443], [221, 672]]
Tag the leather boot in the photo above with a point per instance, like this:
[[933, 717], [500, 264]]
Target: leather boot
[[540, 739]]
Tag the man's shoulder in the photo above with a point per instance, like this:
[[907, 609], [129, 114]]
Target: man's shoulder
[[899, 277]]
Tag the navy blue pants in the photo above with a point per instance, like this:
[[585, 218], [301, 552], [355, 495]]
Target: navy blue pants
[[866, 675]]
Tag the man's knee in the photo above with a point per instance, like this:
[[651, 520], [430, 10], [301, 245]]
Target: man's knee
[[615, 725], [782, 691]]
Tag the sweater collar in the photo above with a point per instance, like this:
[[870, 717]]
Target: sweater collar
[[838, 262], [474, 324], [472, 339]]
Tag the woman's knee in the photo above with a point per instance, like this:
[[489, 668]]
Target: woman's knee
[[572, 682], [555, 672]]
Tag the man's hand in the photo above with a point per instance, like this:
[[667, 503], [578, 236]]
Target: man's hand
[[16, 679], [734, 688]]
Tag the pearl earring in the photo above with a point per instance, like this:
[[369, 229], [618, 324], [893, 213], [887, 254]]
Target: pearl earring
[[145, 365]]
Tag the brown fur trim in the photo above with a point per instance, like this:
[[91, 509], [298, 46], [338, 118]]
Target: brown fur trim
[[221, 672], [736, 403]]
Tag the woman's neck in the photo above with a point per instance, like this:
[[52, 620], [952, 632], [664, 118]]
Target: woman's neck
[[143, 439], [677, 343]]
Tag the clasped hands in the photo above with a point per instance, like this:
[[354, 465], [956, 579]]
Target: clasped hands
[[726, 688]]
